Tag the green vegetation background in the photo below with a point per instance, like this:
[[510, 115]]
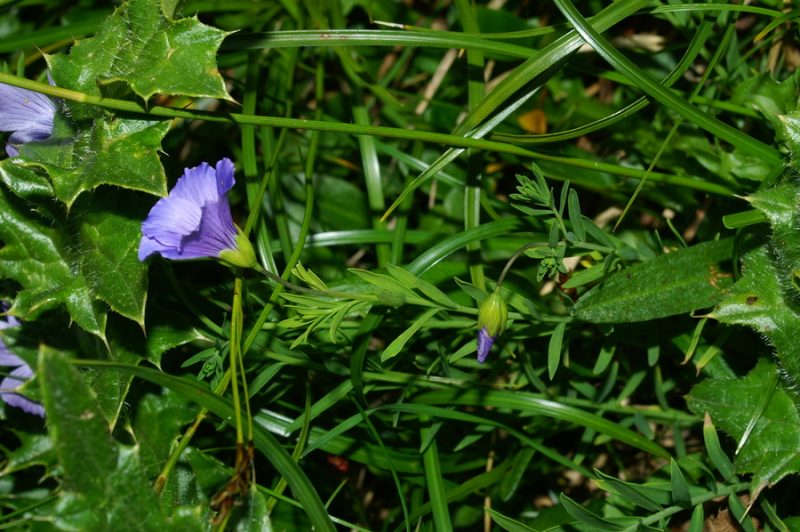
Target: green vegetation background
[[400, 154]]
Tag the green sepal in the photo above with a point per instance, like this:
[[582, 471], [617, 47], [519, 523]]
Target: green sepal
[[493, 314], [244, 256]]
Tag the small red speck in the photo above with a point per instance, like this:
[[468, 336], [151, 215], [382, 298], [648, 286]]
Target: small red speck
[[342, 465]]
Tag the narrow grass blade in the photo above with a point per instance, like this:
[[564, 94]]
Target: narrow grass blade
[[667, 98], [537, 406], [435, 482]]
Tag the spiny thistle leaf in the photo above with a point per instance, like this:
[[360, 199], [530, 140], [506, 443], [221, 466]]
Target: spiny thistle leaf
[[118, 152], [771, 449], [144, 51], [82, 262]]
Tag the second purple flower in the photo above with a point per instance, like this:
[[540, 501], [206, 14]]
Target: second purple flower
[[19, 373], [194, 221], [27, 114]]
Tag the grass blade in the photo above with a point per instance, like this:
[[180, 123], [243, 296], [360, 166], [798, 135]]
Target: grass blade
[[666, 97]]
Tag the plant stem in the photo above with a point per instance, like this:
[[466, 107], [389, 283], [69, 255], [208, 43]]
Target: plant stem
[[513, 259]]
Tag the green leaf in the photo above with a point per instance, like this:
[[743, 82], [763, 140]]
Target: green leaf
[[384, 282], [75, 425], [158, 419], [740, 513], [587, 517], [111, 390], [109, 234], [166, 329], [140, 48], [714, 449], [24, 182], [675, 283], [554, 349], [636, 494], [506, 523], [698, 518], [772, 450], [108, 481], [680, 489], [394, 348], [433, 477], [84, 262], [34, 449], [301, 487], [757, 300], [511, 481], [118, 152], [42, 259], [575, 218], [411, 281]]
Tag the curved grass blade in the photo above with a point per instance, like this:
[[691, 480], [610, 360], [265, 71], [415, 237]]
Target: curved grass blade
[[534, 67], [347, 37], [446, 247], [695, 47], [457, 140], [544, 407], [666, 97], [447, 413]]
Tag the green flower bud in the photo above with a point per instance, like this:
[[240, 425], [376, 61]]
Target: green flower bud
[[493, 314]]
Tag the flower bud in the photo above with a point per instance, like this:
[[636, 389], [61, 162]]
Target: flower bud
[[493, 314], [492, 317]]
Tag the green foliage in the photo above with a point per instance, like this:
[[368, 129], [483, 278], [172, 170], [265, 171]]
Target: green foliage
[[673, 283], [761, 415], [405, 195], [122, 153], [105, 484], [147, 51]]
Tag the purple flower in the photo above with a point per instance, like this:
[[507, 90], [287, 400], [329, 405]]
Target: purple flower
[[194, 220], [29, 115], [485, 343], [21, 373]]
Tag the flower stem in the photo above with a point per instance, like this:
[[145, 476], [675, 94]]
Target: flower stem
[[234, 353], [514, 258], [156, 111]]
